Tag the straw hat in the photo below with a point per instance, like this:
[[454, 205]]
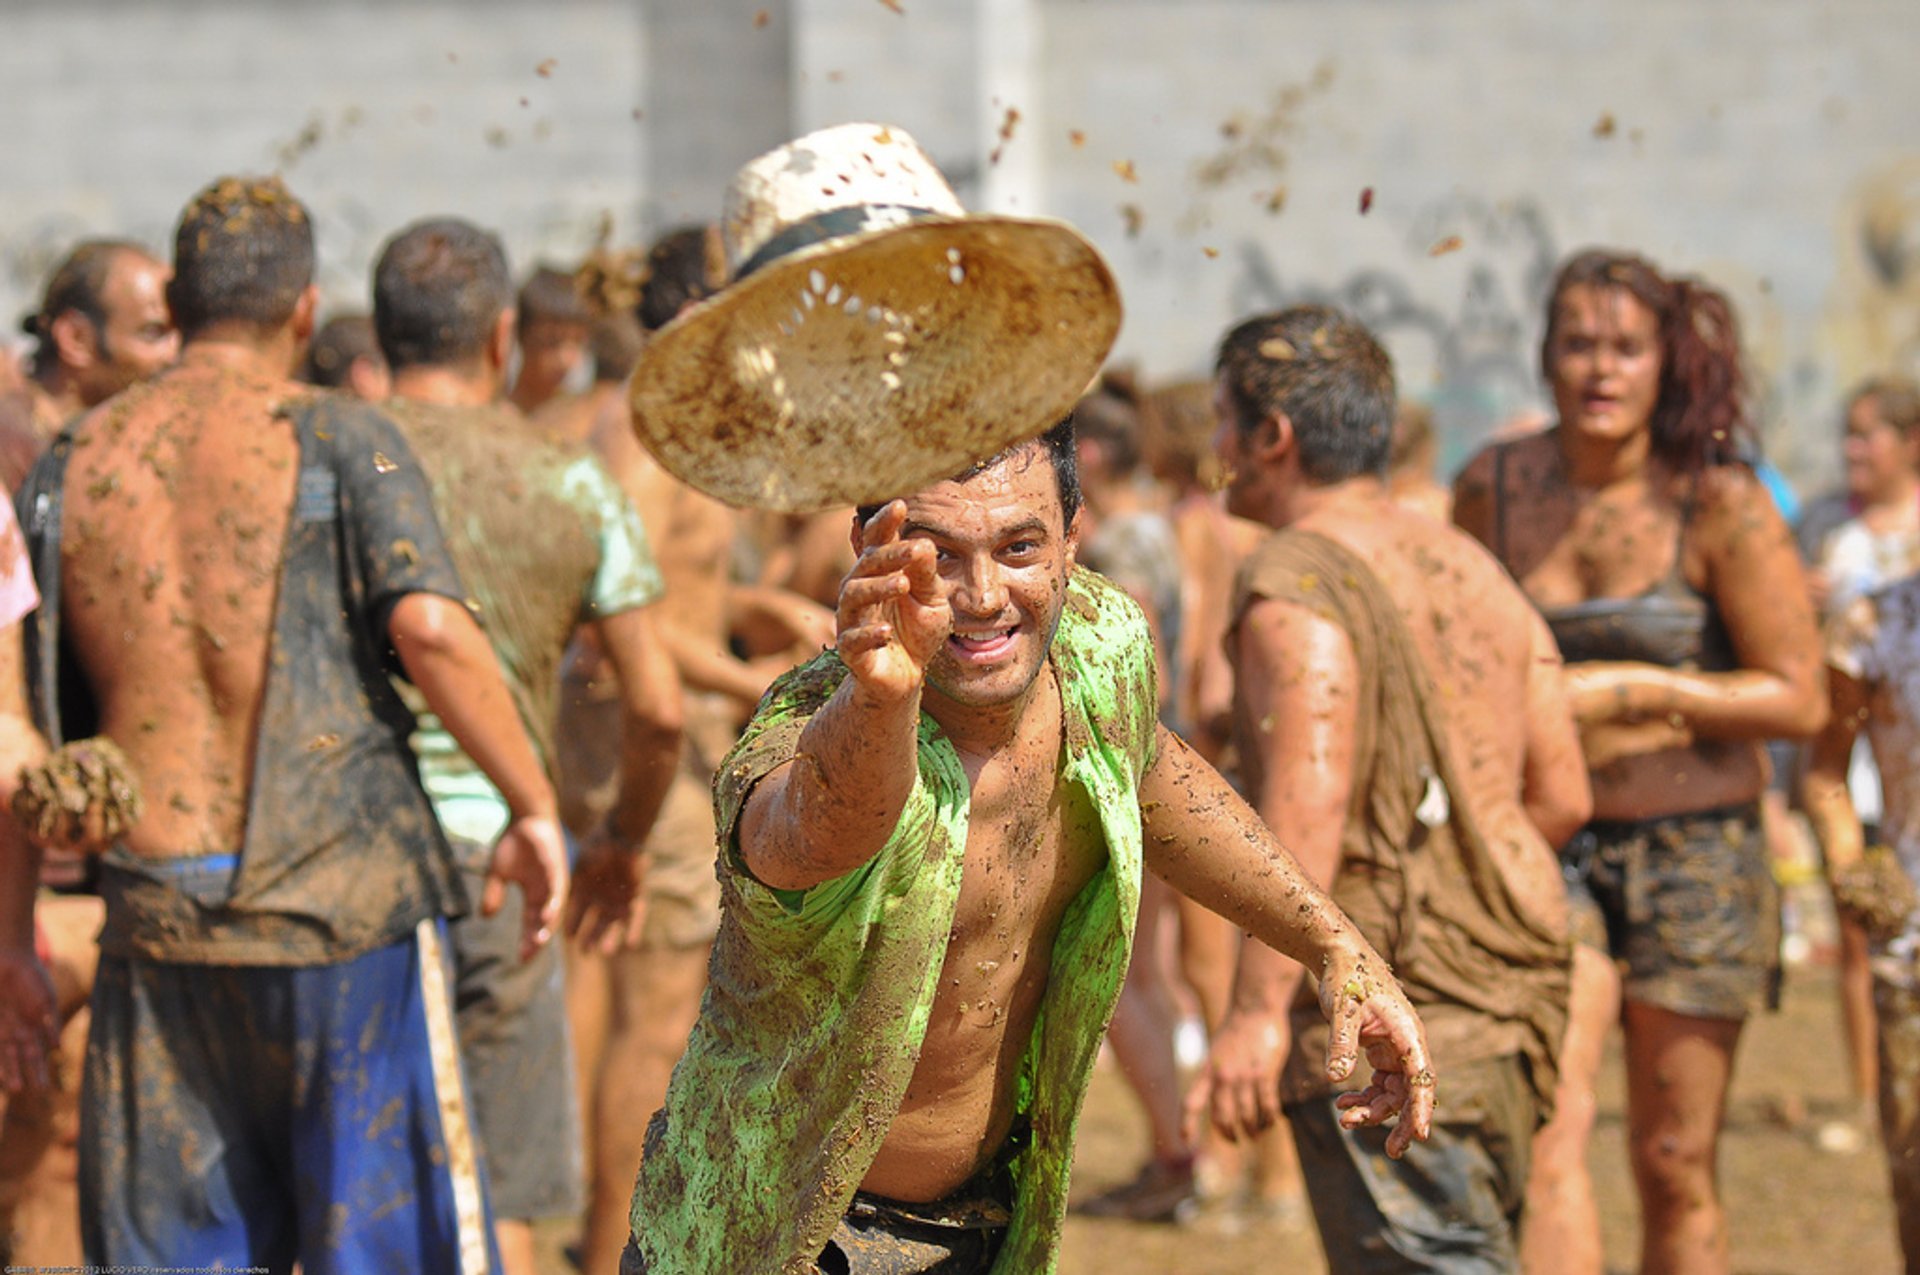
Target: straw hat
[[875, 337]]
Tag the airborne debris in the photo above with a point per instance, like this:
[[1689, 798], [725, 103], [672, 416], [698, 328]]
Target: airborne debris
[[1366, 200], [1007, 125], [1076, 137], [895, 6], [1134, 219], [1452, 243], [1125, 169], [761, 19], [545, 69], [1211, 252], [1604, 126], [1276, 199]]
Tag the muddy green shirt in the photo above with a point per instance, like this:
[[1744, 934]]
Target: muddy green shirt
[[818, 1000]]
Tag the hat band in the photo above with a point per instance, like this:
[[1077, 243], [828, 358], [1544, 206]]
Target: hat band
[[835, 223]]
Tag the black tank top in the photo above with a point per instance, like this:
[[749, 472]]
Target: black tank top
[[1671, 623]]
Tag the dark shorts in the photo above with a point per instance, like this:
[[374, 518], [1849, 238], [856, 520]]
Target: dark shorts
[[514, 1039], [1690, 909], [252, 1116], [1451, 1204]]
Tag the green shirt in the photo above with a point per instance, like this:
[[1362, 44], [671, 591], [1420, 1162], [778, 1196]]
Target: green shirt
[[546, 539], [819, 1000]]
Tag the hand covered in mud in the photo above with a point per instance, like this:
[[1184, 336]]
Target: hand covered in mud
[[1240, 1085], [532, 855], [893, 614], [604, 908], [29, 1026], [1370, 1013]]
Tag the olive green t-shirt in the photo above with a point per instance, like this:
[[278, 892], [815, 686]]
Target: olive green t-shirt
[[818, 1001]]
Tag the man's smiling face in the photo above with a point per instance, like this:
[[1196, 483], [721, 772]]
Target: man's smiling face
[[1004, 554]]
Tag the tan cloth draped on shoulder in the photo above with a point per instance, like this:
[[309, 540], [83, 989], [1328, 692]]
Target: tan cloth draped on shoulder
[[1416, 874]]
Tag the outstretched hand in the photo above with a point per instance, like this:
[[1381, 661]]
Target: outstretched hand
[[892, 614], [1370, 1013], [531, 854]]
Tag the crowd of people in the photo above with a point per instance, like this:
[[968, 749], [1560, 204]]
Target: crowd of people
[[431, 811]]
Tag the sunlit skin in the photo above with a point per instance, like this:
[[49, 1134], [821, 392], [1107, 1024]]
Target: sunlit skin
[[951, 608]]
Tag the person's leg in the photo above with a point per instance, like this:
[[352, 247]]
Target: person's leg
[[179, 1164], [1898, 1014], [656, 1000], [1141, 1036], [512, 1025], [1678, 1069], [1451, 1204], [386, 1159], [1562, 1231], [1856, 1016]]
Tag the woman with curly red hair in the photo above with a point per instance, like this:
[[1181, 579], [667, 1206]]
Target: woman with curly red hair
[[1677, 597]]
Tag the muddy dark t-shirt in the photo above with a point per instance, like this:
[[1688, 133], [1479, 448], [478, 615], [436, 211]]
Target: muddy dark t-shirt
[[342, 854]]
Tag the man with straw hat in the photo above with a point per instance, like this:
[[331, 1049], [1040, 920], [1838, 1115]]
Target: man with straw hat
[[932, 836]]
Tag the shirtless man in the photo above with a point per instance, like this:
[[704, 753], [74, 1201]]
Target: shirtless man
[[632, 1010], [236, 567], [101, 326], [932, 841], [1402, 725], [547, 543]]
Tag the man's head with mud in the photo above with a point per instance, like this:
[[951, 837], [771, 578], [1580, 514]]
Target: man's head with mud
[[442, 299], [1001, 537], [1303, 393]]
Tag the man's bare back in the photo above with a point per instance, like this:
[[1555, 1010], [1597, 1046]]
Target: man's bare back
[[1485, 648], [177, 500]]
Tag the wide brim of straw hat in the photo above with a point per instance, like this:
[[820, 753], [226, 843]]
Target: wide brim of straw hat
[[870, 367]]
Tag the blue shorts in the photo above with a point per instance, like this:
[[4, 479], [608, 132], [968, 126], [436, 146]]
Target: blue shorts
[[255, 1116]]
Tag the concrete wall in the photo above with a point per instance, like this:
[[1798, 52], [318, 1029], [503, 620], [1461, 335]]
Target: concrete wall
[[1767, 144]]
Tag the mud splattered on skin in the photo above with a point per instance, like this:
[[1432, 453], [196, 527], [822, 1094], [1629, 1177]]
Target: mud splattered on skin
[[84, 793]]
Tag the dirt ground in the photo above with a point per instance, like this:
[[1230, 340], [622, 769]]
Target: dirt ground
[[1793, 1209]]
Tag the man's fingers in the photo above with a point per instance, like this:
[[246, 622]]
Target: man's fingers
[[884, 525], [863, 594], [863, 638], [493, 894], [1194, 1108]]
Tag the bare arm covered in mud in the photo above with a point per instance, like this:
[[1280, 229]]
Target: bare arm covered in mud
[[1757, 584], [448, 657], [29, 1025], [1297, 675], [1555, 787], [1211, 846], [833, 806], [606, 881]]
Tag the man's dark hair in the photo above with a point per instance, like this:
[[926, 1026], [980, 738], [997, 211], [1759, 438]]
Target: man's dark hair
[[615, 342], [1059, 442], [552, 296], [680, 269], [439, 287], [75, 287], [1327, 375], [340, 340], [243, 253]]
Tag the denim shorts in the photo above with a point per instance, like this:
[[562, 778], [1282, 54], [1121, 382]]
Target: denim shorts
[[1452, 1203], [1690, 909]]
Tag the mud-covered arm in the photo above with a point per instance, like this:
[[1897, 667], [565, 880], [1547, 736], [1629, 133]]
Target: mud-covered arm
[[1758, 585], [834, 806], [1823, 784], [1555, 787]]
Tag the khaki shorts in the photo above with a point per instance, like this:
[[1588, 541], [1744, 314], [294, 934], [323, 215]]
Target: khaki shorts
[[682, 887]]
